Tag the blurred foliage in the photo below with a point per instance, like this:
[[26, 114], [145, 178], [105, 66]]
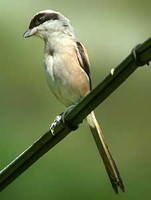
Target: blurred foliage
[[109, 30]]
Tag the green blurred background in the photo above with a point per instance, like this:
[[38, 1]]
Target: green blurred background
[[73, 169]]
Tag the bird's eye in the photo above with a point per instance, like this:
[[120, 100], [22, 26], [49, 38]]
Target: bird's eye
[[39, 20]]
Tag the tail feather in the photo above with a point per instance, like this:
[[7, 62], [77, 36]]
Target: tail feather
[[109, 163]]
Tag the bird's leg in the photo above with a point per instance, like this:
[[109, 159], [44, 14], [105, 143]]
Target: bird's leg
[[62, 117], [54, 124], [69, 124]]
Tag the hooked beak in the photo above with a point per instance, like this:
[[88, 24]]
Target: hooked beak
[[30, 32]]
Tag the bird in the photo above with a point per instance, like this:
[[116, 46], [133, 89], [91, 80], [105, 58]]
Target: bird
[[67, 70]]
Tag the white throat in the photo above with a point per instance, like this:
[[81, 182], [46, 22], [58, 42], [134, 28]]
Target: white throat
[[56, 41]]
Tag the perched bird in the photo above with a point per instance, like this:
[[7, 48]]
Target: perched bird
[[67, 71]]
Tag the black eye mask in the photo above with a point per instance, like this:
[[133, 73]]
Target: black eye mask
[[41, 18]]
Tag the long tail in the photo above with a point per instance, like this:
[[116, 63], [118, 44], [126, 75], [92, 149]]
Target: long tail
[[109, 163]]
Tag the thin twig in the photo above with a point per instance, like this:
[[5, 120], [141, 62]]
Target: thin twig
[[73, 117]]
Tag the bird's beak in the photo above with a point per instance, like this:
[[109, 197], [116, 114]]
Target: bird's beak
[[30, 32]]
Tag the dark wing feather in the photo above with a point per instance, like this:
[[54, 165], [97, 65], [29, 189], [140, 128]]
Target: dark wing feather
[[83, 59]]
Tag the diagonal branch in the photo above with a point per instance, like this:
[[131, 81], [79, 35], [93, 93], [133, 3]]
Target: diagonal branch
[[139, 56]]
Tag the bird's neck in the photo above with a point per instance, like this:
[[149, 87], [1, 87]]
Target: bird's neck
[[55, 42]]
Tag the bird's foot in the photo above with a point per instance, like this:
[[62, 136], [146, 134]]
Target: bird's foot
[[69, 123]]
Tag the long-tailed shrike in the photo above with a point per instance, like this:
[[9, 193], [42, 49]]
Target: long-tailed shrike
[[68, 75]]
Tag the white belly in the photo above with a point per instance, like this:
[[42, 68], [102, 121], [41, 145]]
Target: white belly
[[58, 81], [66, 79]]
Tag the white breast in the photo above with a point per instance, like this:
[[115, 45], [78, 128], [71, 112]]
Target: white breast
[[65, 77], [50, 77], [56, 78]]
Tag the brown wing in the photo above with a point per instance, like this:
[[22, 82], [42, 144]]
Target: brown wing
[[83, 59]]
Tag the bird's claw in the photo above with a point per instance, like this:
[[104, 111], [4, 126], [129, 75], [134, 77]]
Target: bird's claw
[[54, 124], [69, 124]]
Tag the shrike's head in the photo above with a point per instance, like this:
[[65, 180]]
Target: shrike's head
[[46, 22]]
